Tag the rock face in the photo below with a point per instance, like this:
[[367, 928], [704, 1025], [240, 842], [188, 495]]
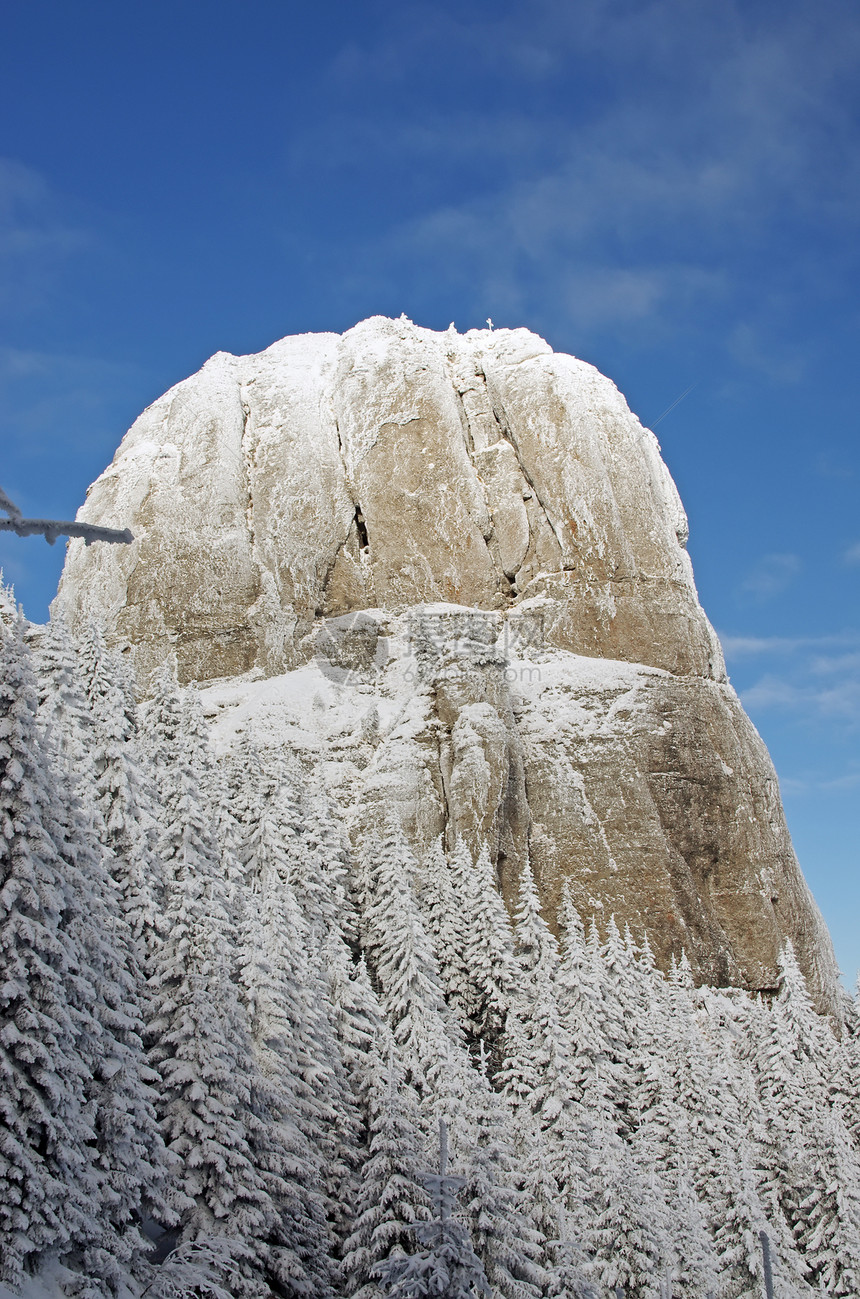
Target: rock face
[[451, 573]]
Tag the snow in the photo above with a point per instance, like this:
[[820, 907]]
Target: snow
[[649, 1130], [322, 719]]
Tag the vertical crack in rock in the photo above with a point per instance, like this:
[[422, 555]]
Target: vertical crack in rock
[[443, 748], [247, 470], [464, 417], [361, 530], [503, 519], [509, 436]]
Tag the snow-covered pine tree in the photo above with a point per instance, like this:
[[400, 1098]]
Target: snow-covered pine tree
[[808, 1035], [811, 1169], [536, 948], [473, 941], [314, 860], [196, 746], [391, 1198], [128, 1153], [554, 1138], [48, 1189], [64, 712], [625, 1235], [322, 888], [580, 995], [448, 1265], [662, 1137], [161, 723], [8, 606], [292, 1025], [536, 1071], [624, 1010], [199, 1039], [445, 901], [362, 895], [281, 1147], [845, 1080], [127, 1150], [79, 1127], [567, 1275], [728, 1139], [123, 793], [490, 953], [357, 1012], [494, 1207], [403, 963], [437, 1063], [618, 1215]]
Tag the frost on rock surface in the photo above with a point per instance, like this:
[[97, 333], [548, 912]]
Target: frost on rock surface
[[454, 567]]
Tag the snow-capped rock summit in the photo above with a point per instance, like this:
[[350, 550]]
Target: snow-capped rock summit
[[450, 571]]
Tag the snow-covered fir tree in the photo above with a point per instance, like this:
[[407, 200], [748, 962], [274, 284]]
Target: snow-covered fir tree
[[123, 791], [447, 1265], [446, 902], [402, 960], [810, 1168], [198, 1031], [82, 1157], [48, 1191], [391, 1198], [490, 959]]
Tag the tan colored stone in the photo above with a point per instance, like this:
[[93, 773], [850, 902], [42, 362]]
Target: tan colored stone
[[568, 702]]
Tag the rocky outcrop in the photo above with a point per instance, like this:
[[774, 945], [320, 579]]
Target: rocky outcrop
[[452, 571]]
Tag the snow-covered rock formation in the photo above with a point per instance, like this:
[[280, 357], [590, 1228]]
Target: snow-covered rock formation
[[450, 571]]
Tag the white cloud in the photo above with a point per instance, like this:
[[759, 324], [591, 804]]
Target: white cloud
[[850, 780], [852, 554], [816, 783], [839, 702], [815, 678], [753, 347], [771, 575], [831, 665], [36, 238], [45, 391], [737, 647], [738, 120]]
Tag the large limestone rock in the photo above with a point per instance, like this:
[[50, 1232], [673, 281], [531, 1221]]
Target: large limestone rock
[[451, 572]]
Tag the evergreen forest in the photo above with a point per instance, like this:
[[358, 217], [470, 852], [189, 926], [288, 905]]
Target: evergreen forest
[[229, 1032]]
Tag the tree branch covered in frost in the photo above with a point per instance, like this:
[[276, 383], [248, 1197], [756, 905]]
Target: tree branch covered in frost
[[9, 507], [193, 1269], [50, 529]]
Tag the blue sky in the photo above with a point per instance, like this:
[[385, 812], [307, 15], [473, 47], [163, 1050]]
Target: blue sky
[[668, 189]]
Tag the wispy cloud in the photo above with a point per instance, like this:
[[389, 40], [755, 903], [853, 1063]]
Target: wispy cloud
[[625, 209], [771, 575], [816, 678], [736, 647], [852, 554], [815, 783], [36, 236], [42, 393], [840, 700], [836, 665]]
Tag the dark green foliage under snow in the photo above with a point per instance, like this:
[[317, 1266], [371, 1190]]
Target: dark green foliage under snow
[[227, 1040]]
